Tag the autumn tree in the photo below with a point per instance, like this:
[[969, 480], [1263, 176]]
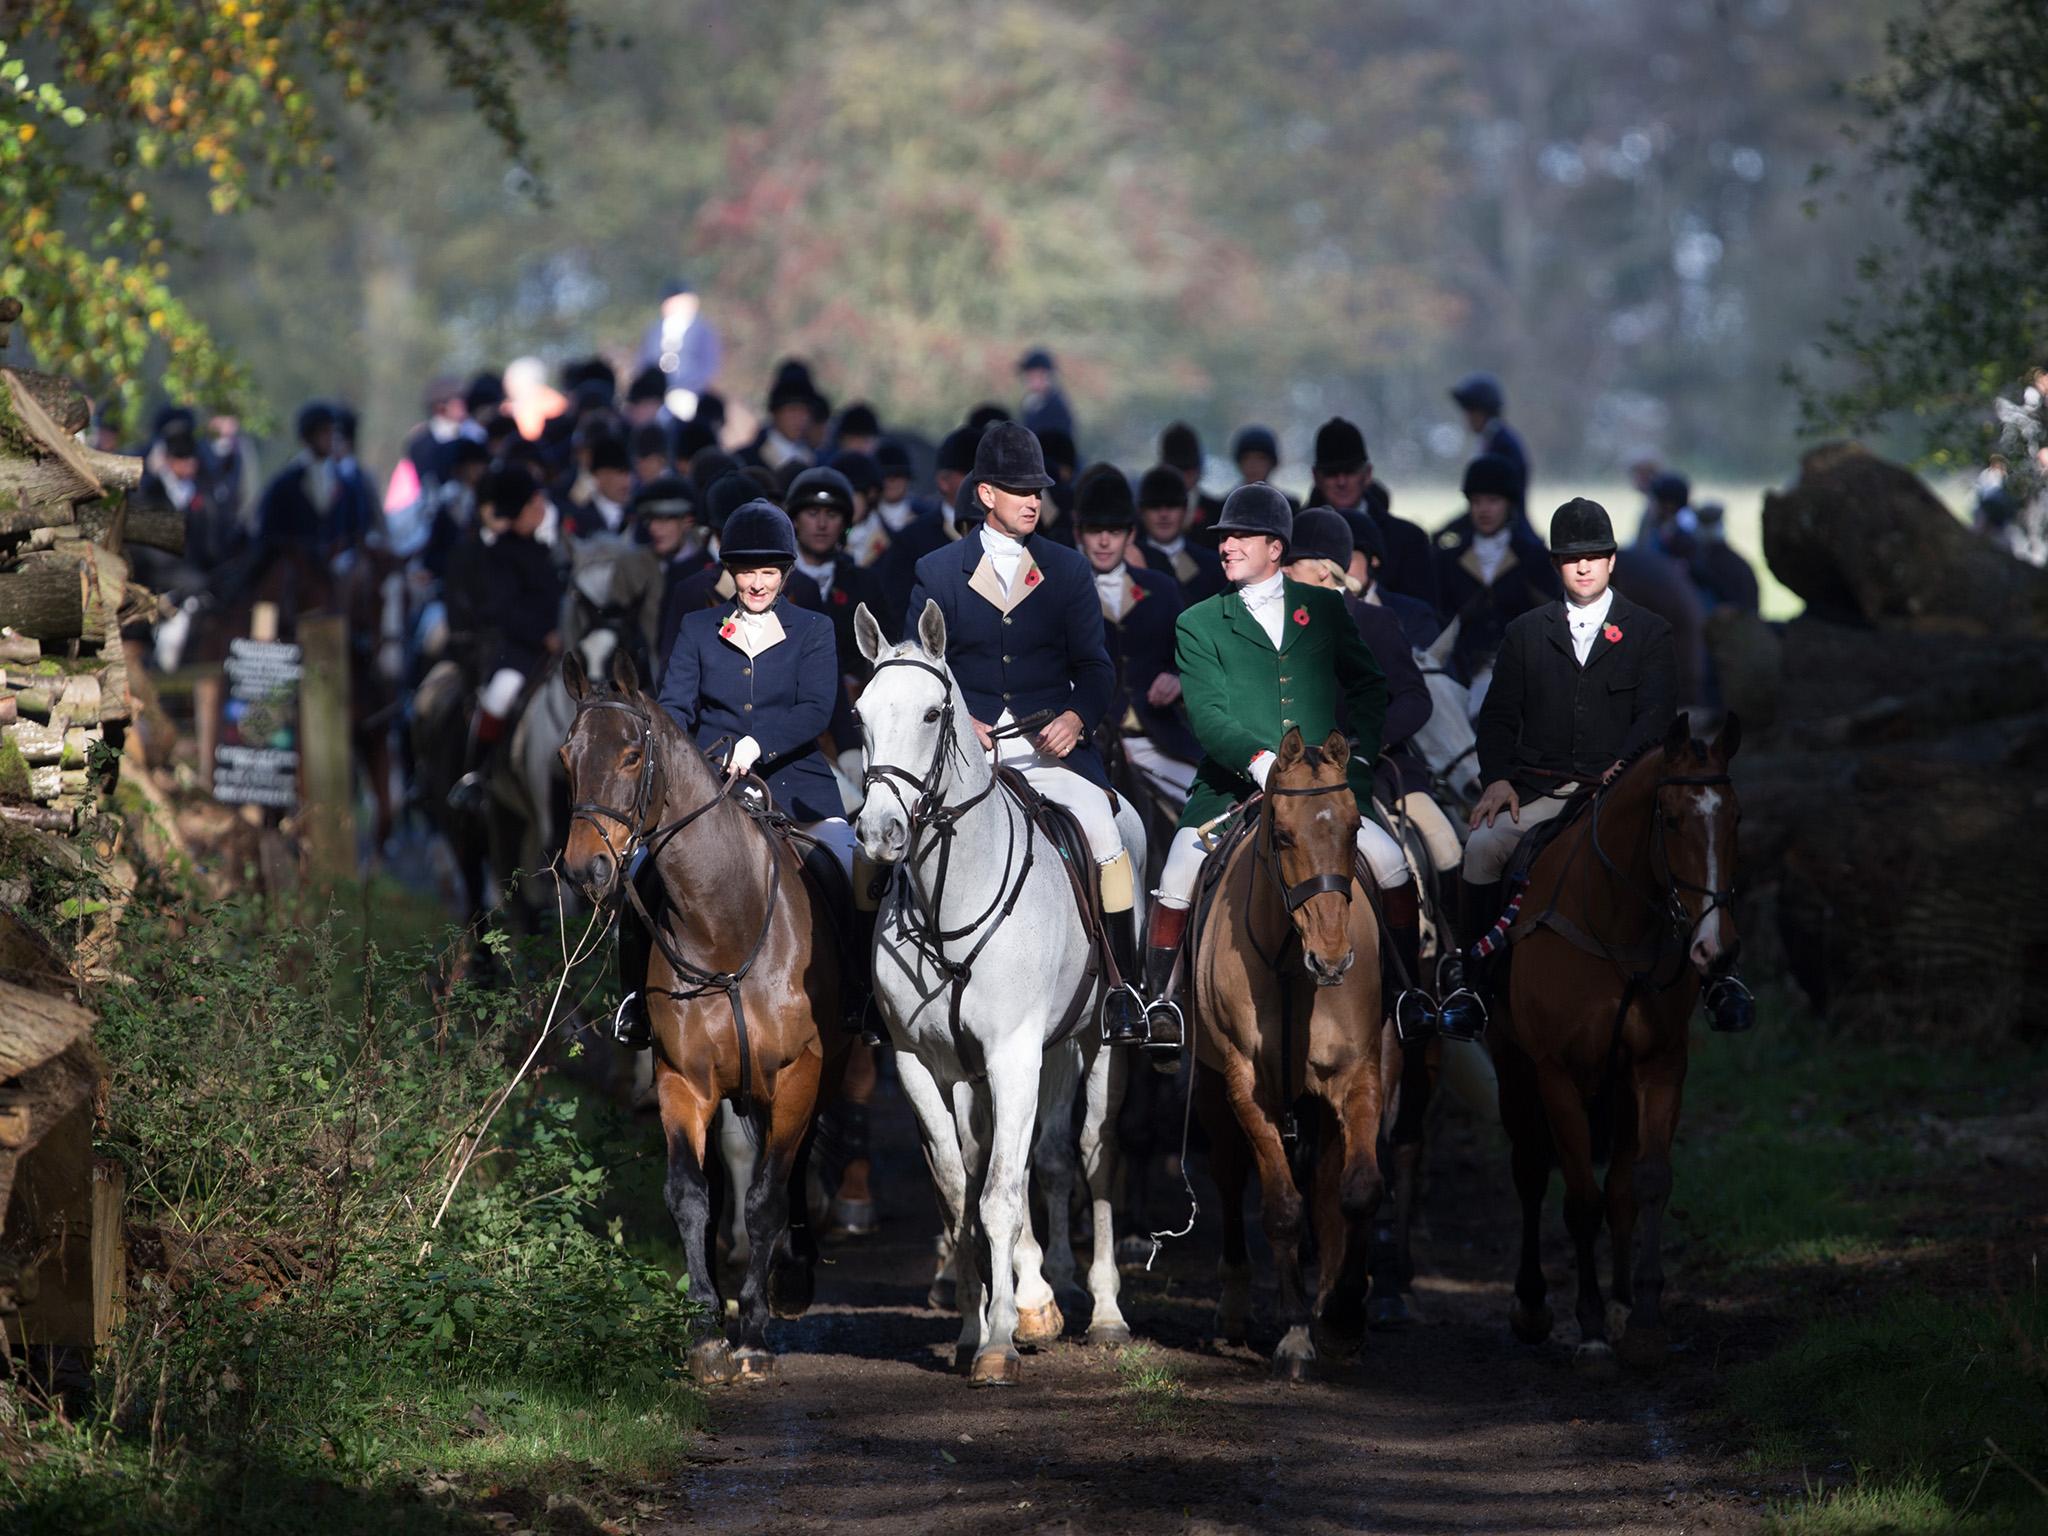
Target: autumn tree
[[105, 105]]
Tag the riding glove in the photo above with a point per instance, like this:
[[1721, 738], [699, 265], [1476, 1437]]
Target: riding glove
[[745, 753]]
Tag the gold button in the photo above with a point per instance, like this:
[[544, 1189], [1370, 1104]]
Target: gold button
[[1006, 618], [746, 671], [748, 707]]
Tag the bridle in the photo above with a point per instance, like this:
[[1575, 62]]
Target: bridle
[[1668, 897], [698, 981], [1302, 892]]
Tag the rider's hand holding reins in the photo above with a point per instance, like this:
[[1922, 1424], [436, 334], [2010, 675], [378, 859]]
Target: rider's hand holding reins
[[1059, 737], [1259, 767], [1165, 690], [745, 753], [1500, 796], [981, 735]]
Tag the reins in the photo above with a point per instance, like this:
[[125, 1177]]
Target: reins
[[700, 982]]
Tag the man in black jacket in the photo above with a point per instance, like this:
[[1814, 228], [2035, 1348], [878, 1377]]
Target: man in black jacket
[[1491, 567], [1164, 543], [1344, 480]]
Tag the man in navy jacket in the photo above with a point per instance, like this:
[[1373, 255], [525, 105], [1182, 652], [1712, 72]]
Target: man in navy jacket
[[1024, 637]]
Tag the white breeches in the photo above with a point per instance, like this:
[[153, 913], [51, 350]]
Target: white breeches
[[1184, 863], [835, 833], [1438, 836], [1169, 777], [1064, 787], [1489, 848], [501, 693]]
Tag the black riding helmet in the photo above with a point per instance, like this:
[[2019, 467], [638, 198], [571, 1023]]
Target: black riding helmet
[[820, 487], [759, 533], [1102, 499], [1254, 508]]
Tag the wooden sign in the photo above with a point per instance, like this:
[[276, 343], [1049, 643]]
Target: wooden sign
[[256, 759]]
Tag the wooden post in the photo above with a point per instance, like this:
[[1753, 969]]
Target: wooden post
[[324, 759], [209, 694]]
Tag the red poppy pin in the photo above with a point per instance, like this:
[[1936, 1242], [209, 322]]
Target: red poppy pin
[[1301, 617], [839, 597], [1137, 593], [1031, 577], [727, 630], [1611, 633]]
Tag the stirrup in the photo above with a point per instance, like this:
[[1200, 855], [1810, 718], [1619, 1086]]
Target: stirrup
[[630, 1028], [1166, 1012], [1415, 1016], [1123, 1016], [1462, 1015], [1731, 1006], [467, 792]]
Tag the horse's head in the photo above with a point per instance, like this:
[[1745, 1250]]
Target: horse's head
[[1697, 817], [1447, 743], [1311, 830], [610, 757], [910, 726]]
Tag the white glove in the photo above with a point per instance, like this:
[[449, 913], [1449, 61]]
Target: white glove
[[1260, 767], [745, 753]]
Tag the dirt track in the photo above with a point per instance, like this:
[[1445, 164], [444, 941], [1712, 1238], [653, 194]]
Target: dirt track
[[1449, 1426]]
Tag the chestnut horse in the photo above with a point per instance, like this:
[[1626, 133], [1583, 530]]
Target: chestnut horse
[[743, 988], [1287, 1001], [1624, 913]]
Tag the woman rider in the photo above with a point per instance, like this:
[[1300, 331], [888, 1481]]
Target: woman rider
[[752, 682]]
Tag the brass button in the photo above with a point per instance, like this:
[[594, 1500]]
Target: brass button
[[746, 671], [748, 708], [1006, 618], [1006, 661]]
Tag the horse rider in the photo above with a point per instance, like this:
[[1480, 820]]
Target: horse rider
[[1344, 480], [1138, 611], [753, 680], [1480, 397], [1491, 568], [1024, 639], [1164, 544], [1320, 556], [1266, 657], [1581, 686], [505, 594]]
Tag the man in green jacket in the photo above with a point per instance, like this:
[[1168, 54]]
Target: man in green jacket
[[1269, 655]]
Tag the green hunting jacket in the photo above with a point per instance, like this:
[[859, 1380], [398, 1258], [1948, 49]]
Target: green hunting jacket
[[1242, 695]]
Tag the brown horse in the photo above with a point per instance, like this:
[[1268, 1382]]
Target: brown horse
[[1625, 912], [743, 987], [1277, 1028]]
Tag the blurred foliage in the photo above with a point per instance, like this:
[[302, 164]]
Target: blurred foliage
[[1958, 122], [1215, 211], [103, 105]]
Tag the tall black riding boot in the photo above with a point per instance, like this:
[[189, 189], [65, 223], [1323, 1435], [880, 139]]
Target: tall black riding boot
[[1165, 1026], [631, 1025], [862, 1019], [1123, 1008], [1478, 908], [1451, 937], [1414, 1009]]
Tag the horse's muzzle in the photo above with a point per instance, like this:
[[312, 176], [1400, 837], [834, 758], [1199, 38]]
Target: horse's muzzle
[[598, 879], [1328, 973]]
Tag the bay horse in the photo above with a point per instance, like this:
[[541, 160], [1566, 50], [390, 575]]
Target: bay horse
[[743, 988], [1626, 910], [982, 973], [1274, 1030]]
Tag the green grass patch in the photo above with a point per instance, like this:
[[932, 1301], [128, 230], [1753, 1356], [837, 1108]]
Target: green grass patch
[[1789, 1132], [1149, 1385]]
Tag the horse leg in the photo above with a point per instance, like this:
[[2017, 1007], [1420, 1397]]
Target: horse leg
[[1044, 1274], [686, 1124], [1521, 1115], [1012, 1096], [1230, 1164], [736, 1150], [1349, 1192], [1281, 1214], [1621, 1213], [1103, 1090], [949, 1175], [1393, 1263], [853, 1202], [973, 1265], [785, 1119], [1584, 1211], [1660, 1087]]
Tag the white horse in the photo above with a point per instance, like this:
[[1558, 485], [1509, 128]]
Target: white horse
[[980, 953], [1447, 743]]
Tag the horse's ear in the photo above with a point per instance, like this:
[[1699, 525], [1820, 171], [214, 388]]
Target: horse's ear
[[1440, 649], [1292, 749], [931, 630], [1729, 739], [625, 676], [574, 678], [1337, 750], [1679, 736], [867, 634]]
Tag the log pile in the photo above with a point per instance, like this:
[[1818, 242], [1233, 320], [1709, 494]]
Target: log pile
[[1900, 757], [65, 593]]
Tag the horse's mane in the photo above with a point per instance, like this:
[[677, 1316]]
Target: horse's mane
[[1697, 747]]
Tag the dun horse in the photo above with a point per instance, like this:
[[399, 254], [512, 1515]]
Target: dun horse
[[1287, 998], [743, 988], [1624, 913]]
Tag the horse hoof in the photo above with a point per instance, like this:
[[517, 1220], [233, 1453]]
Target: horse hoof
[[1531, 1325], [1594, 1360], [853, 1218], [1388, 1314], [754, 1364], [944, 1296], [790, 1287], [1617, 1321], [1114, 1335], [996, 1368], [1295, 1369], [1233, 1330], [1645, 1348], [1038, 1326], [712, 1363]]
